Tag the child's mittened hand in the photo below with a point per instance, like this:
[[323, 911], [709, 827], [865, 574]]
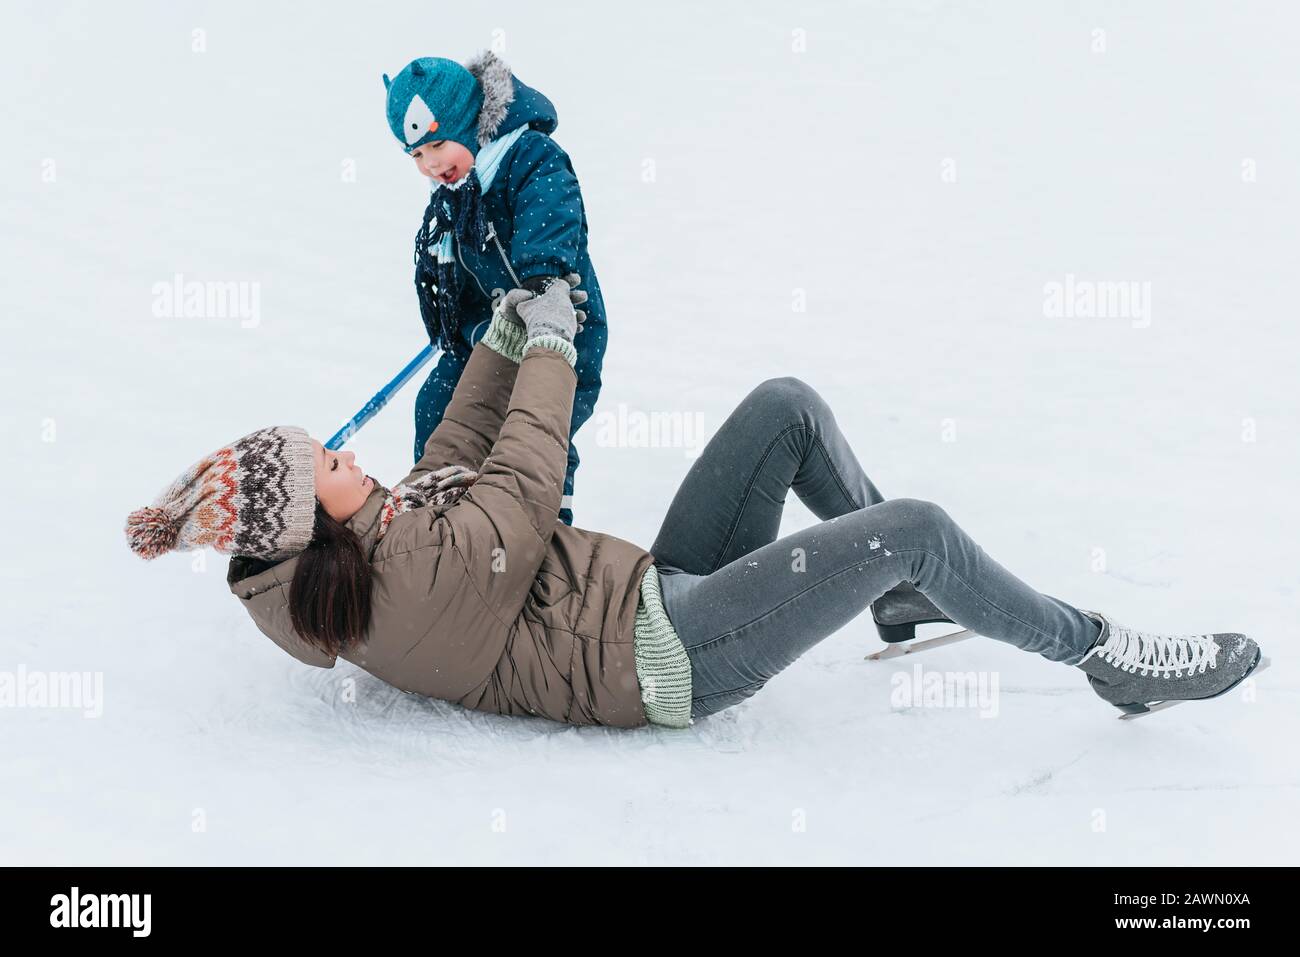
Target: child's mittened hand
[[577, 296], [550, 314]]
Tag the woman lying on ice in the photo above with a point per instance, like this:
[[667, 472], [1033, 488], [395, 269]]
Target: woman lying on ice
[[459, 582]]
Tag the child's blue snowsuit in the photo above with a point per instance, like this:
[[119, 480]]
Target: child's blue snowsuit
[[535, 208]]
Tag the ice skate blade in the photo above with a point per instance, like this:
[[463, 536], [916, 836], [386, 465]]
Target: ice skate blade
[[1155, 706], [911, 648]]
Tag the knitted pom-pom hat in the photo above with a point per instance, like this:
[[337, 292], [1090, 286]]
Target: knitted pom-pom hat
[[434, 99], [255, 497]]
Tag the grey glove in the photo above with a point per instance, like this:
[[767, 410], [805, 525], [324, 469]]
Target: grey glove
[[507, 303], [550, 314]]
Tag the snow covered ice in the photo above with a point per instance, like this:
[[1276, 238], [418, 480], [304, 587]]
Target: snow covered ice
[[885, 212]]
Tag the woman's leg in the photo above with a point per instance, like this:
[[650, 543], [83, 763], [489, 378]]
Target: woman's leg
[[782, 436], [751, 619], [746, 606]]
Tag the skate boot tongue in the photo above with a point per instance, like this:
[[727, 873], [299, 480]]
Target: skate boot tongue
[[1145, 653]]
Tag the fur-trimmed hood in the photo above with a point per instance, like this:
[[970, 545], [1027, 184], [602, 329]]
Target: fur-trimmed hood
[[508, 102]]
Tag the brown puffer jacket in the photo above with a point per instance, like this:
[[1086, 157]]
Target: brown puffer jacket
[[491, 602]]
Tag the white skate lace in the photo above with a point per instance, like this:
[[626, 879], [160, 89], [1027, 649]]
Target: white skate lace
[[1168, 655]]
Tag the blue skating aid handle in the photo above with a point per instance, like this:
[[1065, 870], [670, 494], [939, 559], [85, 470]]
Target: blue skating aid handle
[[380, 399]]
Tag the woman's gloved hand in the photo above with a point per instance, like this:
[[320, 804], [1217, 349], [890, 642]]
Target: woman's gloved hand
[[550, 314], [507, 303]]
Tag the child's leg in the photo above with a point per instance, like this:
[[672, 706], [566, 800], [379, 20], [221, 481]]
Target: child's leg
[[584, 400], [750, 619], [590, 344], [782, 436], [566, 499], [431, 402]]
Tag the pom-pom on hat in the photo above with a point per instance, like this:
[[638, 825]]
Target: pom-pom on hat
[[255, 497], [434, 99]]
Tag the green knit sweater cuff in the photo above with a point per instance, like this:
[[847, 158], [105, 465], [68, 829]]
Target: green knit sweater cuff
[[505, 337], [663, 668], [512, 341], [555, 343]]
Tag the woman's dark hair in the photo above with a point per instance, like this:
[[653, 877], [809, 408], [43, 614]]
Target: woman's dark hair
[[329, 597]]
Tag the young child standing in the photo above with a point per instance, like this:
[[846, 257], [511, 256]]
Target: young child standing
[[506, 212]]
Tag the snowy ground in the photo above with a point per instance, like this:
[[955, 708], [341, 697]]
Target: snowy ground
[[918, 171]]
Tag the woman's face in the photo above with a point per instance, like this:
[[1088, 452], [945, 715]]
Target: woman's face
[[341, 487], [445, 161]]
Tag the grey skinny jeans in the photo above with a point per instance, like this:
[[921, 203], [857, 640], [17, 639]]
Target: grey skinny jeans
[[746, 604]]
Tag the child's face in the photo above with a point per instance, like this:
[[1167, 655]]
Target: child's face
[[444, 160]]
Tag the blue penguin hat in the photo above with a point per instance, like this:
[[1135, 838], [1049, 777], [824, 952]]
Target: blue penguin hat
[[434, 99]]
